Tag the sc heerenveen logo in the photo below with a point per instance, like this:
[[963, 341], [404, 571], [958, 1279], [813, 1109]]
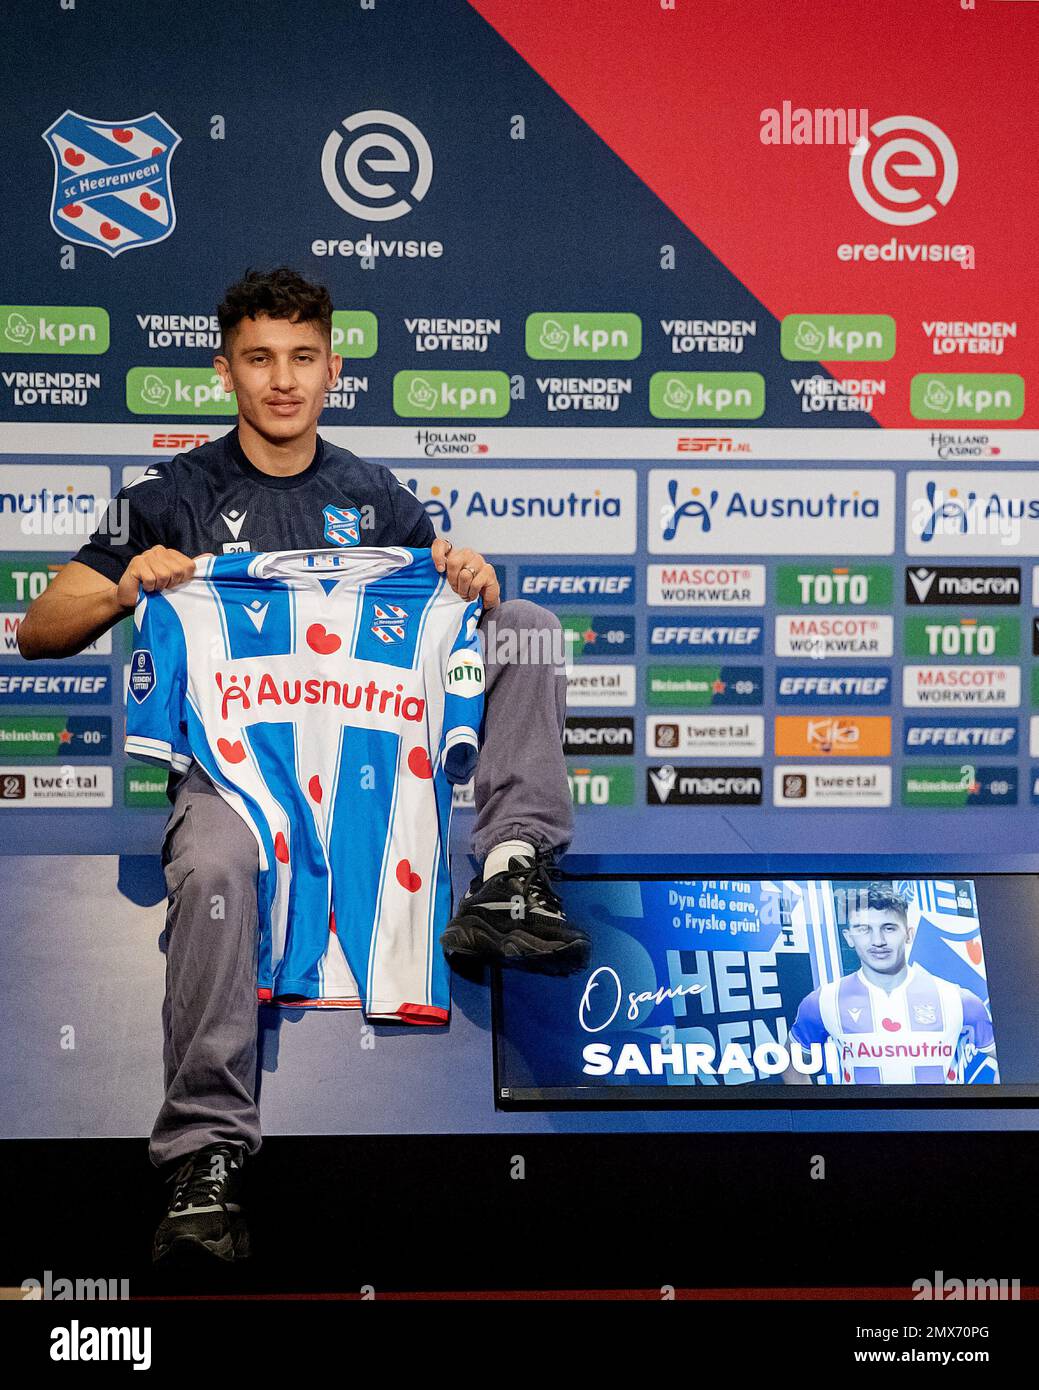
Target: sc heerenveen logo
[[112, 181], [376, 143], [923, 161]]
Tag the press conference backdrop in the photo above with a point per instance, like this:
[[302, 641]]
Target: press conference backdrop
[[720, 349]]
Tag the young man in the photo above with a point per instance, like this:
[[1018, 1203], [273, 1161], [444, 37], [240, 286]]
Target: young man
[[892, 1023], [273, 484]]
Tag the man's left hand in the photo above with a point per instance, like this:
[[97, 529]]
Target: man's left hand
[[467, 572]]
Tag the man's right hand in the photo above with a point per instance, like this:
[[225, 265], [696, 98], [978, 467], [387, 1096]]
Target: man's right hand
[[154, 569]]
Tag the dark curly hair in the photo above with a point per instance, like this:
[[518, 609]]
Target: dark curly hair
[[885, 897], [281, 293]]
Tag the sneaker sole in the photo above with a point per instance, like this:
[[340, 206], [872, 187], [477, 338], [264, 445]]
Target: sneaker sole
[[233, 1246], [473, 939]]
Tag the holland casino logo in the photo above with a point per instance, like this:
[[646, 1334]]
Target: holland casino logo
[[745, 506], [112, 181], [379, 142], [923, 161]]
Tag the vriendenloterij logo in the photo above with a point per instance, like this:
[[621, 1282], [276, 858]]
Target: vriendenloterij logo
[[112, 181], [376, 142], [923, 161]]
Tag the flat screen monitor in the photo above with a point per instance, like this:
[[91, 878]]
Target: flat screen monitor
[[787, 992]]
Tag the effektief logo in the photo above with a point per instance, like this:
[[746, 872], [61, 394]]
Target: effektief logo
[[112, 181]]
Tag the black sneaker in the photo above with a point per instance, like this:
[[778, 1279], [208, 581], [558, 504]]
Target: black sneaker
[[487, 926], [205, 1212]]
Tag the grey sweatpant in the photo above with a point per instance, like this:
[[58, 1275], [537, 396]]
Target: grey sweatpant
[[210, 862]]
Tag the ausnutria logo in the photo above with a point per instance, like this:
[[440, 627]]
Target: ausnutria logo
[[376, 142], [903, 171]]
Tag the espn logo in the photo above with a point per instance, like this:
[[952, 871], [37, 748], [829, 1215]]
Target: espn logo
[[178, 442]]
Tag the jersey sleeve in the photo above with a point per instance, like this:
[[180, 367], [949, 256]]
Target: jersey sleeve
[[156, 727], [808, 1026], [412, 526], [136, 519], [463, 700], [976, 1020]]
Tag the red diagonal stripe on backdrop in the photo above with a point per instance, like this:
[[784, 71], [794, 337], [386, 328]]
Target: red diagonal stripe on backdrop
[[678, 94]]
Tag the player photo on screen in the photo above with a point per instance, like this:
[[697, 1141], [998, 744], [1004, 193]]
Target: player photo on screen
[[728, 983], [912, 1009]]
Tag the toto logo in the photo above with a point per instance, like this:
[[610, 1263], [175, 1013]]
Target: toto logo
[[376, 143], [903, 171]]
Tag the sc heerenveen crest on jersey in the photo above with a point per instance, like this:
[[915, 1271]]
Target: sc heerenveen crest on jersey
[[112, 181], [342, 525]]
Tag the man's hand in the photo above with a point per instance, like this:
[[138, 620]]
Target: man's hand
[[155, 569], [468, 574]]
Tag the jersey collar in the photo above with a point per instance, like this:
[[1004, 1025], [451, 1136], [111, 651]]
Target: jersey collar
[[245, 465]]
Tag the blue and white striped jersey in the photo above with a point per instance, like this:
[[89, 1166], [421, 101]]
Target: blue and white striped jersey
[[333, 697]]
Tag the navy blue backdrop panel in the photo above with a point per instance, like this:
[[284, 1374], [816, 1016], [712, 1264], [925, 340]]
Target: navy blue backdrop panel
[[794, 630]]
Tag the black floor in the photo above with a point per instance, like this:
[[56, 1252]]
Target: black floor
[[335, 1215]]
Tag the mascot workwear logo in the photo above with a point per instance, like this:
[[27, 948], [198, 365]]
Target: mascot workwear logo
[[922, 160], [112, 181], [376, 142]]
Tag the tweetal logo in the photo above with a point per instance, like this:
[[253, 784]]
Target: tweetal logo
[[112, 181], [380, 143], [963, 584], [12, 786], [923, 161]]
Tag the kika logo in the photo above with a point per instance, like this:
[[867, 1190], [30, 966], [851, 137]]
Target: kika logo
[[112, 181], [376, 143], [904, 171]]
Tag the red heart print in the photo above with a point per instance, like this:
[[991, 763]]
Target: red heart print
[[332, 922], [74, 158], [892, 1026], [419, 764], [149, 201], [951, 1075], [281, 849], [314, 787], [123, 136], [406, 878], [847, 1076], [73, 209], [109, 232], [322, 641], [231, 752]]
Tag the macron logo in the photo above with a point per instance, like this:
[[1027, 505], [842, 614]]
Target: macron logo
[[923, 582]]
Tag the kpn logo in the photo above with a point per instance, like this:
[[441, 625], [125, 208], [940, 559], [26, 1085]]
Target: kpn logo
[[177, 391], [583, 337], [837, 338], [451, 395], [966, 396], [39, 328], [355, 333], [707, 395]]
